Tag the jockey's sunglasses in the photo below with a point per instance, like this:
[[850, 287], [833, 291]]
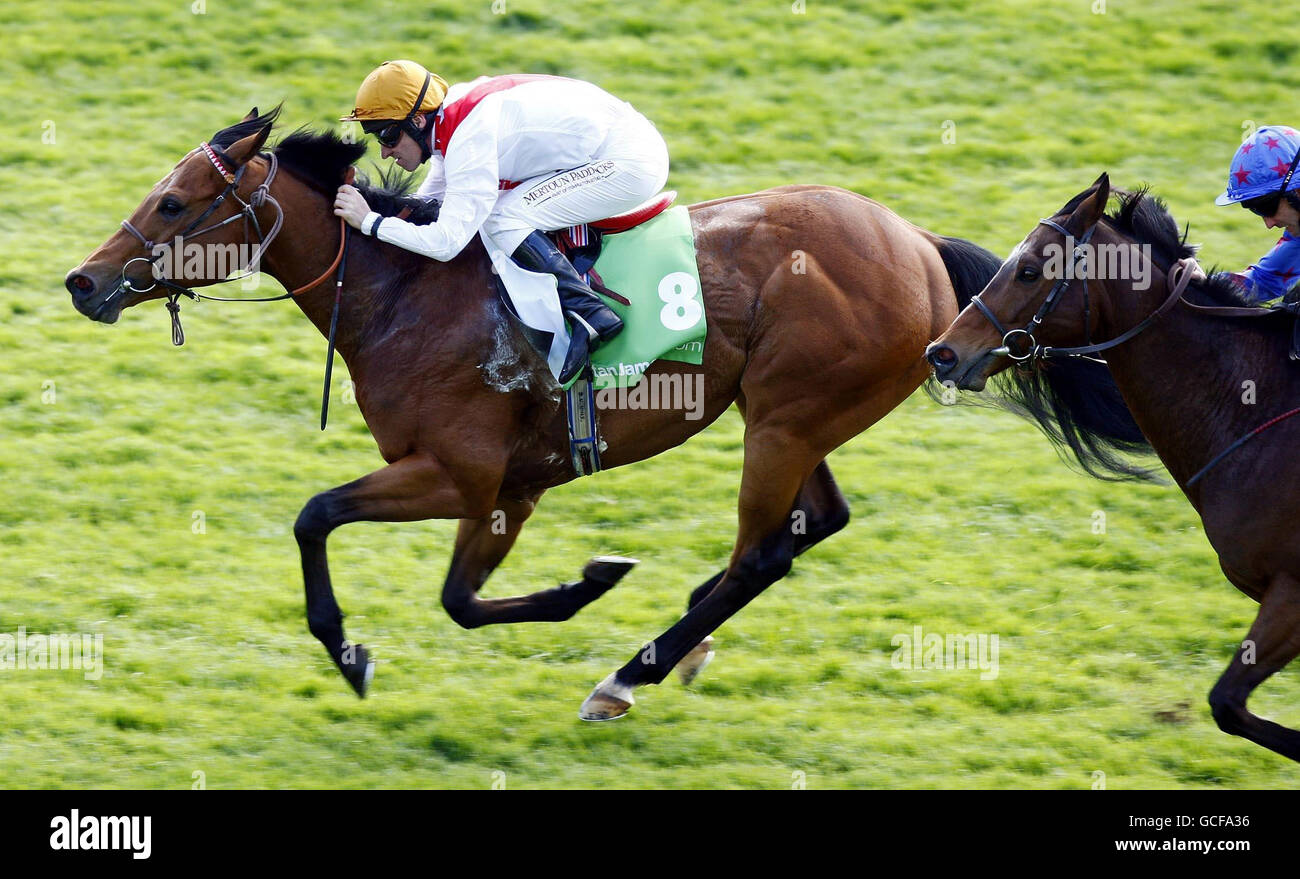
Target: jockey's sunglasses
[[1267, 205], [387, 133]]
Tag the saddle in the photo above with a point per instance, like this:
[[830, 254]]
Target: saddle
[[581, 245]]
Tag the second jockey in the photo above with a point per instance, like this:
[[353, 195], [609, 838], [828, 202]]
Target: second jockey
[[1262, 179], [510, 157]]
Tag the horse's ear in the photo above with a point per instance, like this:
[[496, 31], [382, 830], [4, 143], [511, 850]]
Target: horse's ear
[[243, 150], [1092, 208], [252, 114]]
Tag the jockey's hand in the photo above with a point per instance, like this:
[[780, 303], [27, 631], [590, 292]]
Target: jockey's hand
[[350, 205]]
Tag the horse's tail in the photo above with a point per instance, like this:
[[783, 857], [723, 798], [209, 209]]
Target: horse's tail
[[1076, 403], [969, 266]]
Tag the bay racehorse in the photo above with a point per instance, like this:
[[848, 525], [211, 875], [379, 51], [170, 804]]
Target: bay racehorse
[[1183, 355], [819, 304]]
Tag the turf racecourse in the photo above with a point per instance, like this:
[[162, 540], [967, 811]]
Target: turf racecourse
[[149, 492]]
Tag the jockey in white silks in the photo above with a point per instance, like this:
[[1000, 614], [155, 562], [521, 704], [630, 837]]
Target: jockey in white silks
[[510, 157]]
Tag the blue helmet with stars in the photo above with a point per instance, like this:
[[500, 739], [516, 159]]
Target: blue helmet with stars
[[1261, 163]]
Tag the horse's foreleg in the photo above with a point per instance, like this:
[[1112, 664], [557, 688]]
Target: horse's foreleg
[[1273, 641], [765, 549], [819, 512], [481, 545], [412, 488]]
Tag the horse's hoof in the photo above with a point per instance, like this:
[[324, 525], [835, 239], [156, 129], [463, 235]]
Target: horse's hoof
[[609, 701], [608, 569], [695, 662], [360, 670]]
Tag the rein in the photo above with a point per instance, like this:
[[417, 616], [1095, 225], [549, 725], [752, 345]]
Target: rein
[[1241, 441], [260, 196]]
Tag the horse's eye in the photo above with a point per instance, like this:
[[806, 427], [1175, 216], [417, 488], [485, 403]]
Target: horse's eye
[[170, 207], [1027, 275]]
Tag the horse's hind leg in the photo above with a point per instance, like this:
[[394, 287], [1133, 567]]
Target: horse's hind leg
[[1273, 641], [824, 512], [819, 512], [481, 545], [776, 466]]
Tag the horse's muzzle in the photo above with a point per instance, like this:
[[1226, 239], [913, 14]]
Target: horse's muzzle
[[949, 367], [96, 298]]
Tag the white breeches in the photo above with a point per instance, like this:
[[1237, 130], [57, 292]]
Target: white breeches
[[629, 167]]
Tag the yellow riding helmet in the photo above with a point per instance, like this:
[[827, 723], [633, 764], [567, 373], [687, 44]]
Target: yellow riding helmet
[[392, 91]]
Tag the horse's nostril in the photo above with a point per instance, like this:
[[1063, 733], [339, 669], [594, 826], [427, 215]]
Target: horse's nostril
[[942, 356], [80, 284]]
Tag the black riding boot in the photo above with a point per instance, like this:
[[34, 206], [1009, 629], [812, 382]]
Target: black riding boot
[[591, 321]]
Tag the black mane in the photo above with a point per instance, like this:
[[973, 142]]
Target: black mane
[[1146, 219], [321, 159]]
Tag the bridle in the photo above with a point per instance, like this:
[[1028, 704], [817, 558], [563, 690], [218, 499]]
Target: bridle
[[1177, 280], [260, 196]]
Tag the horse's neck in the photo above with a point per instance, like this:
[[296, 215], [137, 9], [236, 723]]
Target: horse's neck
[[302, 253], [304, 250], [1193, 384]]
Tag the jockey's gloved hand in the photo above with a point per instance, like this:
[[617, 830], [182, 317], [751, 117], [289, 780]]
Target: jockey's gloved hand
[[351, 205]]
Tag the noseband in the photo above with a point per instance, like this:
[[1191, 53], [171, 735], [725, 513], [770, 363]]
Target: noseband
[[1177, 280]]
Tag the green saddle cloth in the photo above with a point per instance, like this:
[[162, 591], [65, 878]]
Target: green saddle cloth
[[653, 265]]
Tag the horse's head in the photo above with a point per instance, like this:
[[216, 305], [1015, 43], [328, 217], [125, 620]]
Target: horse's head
[[204, 195], [1029, 302]]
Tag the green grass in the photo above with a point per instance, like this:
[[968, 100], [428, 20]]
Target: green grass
[[965, 521]]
